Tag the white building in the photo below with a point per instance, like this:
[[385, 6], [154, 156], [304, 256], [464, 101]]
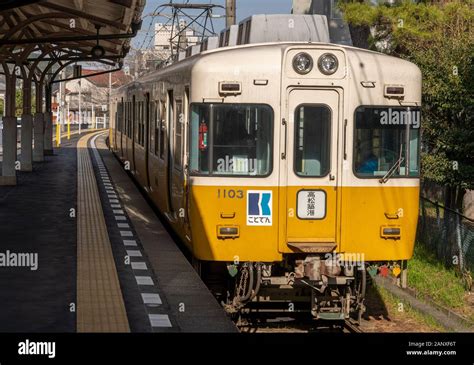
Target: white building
[[165, 34]]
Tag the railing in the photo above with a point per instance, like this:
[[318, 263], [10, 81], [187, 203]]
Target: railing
[[448, 234]]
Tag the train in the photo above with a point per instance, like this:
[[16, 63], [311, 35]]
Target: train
[[285, 167]]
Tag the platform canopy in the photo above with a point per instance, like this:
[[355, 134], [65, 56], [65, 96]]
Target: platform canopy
[[66, 30], [39, 39]]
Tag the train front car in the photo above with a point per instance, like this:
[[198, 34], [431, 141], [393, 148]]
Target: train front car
[[303, 168]]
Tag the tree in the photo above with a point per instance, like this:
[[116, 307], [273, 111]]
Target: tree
[[439, 38]]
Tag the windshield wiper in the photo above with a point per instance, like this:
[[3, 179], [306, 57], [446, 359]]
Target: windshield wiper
[[392, 170]]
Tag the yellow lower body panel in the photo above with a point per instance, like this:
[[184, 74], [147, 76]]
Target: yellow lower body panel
[[266, 219]]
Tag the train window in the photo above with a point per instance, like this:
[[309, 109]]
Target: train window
[[126, 119], [129, 117], [178, 135], [231, 139], [200, 122], [138, 122], [156, 130], [142, 123], [221, 39], [151, 124], [118, 116], [239, 34], [386, 139], [247, 31], [227, 34], [129, 113], [312, 140], [162, 129]]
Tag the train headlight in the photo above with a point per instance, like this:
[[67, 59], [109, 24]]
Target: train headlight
[[224, 232], [302, 63], [393, 232], [328, 63]]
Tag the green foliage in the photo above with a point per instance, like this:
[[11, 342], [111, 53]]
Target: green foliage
[[439, 38], [430, 277], [19, 103]]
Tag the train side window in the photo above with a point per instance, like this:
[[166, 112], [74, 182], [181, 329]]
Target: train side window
[[231, 139], [144, 116], [157, 126], [239, 34], [221, 39], [247, 31], [117, 116], [386, 138], [129, 112], [178, 135], [129, 134], [125, 129], [151, 126], [142, 123], [199, 139], [312, 140], [226, 41], [120, 117], [137, 122], [124, 116], [162, 129]]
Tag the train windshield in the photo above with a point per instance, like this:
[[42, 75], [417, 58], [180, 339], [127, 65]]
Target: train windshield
[[387, 141], [231, 139]]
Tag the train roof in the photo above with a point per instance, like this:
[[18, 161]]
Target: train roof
[[282, 45]]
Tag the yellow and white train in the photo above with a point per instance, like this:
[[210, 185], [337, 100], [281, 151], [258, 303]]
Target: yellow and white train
[[288, 165]]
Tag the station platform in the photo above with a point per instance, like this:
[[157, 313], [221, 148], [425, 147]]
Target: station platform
[[82, 251]]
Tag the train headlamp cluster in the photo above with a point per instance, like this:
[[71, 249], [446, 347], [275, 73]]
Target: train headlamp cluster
[[328, 63], [302, 63]]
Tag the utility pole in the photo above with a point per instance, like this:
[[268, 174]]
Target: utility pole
[[229, 12]]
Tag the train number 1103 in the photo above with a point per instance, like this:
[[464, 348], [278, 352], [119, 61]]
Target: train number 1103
[[230, 194]]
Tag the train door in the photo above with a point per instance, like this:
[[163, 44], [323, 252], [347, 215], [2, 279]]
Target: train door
[[170, 134], [133, 131], [185, 185], [312, 180], [119, 146], [176, 167], [146, 138]]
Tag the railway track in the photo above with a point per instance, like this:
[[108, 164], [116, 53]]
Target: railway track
[[294, 323]]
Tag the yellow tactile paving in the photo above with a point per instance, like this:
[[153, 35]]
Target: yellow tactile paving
[[100, 306]]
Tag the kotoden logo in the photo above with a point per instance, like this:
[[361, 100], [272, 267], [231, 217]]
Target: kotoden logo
[[259, 208], [19, 259]]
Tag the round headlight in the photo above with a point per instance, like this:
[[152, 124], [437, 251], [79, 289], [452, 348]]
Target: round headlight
[[328, 64], [302, 63]]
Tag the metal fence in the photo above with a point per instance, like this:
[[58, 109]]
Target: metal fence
[[448, 234]]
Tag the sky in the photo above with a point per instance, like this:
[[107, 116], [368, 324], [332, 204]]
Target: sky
[[244, 9]]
